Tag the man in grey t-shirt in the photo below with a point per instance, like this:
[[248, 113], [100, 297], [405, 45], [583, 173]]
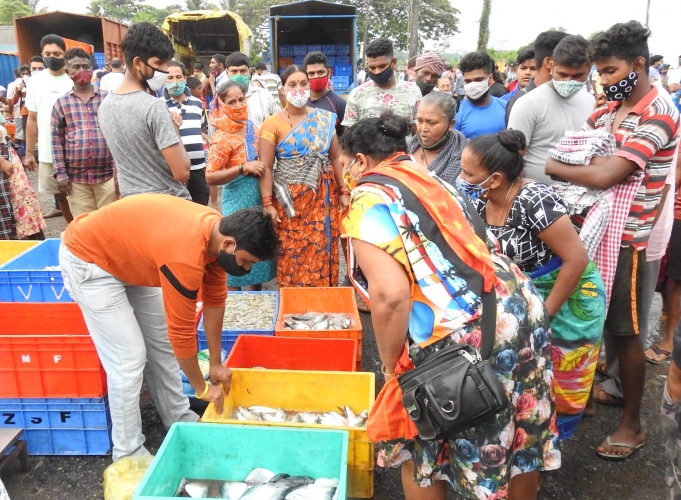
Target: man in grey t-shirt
[[142, 136]]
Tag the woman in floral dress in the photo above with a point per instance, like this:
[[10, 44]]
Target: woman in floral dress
[[426, 269]]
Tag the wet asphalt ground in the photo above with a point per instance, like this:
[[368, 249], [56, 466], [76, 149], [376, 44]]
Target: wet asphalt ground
[[582, 476]]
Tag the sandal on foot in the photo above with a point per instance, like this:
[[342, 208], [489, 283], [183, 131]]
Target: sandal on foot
[[603, 398], [633, 448], [658, 352], [362, 306]]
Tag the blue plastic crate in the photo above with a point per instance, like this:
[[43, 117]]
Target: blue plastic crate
[[26, 279], [340, 82], [342, 50], [342, 69], [329, 50], [343, 60], [286, 51], [300, 50], [299, 60], [100, 59], [60, 426], [314, 48], [330, 60], [229, 336]]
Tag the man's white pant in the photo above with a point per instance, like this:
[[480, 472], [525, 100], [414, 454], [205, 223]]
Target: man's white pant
[[128, 327]]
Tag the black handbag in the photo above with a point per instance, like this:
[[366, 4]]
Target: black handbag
[[456, 388]]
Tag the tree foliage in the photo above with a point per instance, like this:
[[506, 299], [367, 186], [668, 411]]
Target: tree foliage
[[131, 11], [483, 32], [11, 9]]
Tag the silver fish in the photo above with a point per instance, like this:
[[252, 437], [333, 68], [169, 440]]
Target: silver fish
[[304, 317], [309, 418], [233, 490], [320, 318], [197, 489], [299, 325], [259, 476], [311, 492], [327, 483], [280, 415], [245, 414], [269, 491], [333, 419], [294, 481], [269, 418], [322, 325], [262, 410]]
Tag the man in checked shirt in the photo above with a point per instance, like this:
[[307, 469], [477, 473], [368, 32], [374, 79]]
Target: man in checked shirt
[[83, 164]]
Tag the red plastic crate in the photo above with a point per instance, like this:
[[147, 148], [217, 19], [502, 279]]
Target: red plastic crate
[[50, 367], [41, 318], [292, 353]]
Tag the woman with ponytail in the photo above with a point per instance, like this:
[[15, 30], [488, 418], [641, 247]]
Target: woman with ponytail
[[533, 229]]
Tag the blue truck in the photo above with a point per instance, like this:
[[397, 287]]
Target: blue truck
[[302, 27]]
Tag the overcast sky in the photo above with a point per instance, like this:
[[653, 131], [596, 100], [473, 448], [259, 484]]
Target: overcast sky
[[515, 23]]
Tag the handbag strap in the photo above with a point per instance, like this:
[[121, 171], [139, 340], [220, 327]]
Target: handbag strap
[[488, 322]]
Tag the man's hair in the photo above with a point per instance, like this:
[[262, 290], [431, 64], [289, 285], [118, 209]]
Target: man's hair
[[144, 40], [253, 231], [116, 63], [198, 65], [219, 58], [572, 51], [261, 66], [545, 44], [177, 64], [53, 39], [625, 41], [656, 58], [36, 59], [23, 67], [99, 74], [315, 58], [448, 67], [78, 52], [477, 60], [193, 82], [237, 59], [525, 54], [380, 47]]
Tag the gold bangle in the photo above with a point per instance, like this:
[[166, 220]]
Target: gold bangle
[[383, 370], [203, 394]]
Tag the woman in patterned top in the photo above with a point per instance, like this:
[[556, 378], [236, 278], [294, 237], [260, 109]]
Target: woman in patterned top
[[411, 234], [533, 229]]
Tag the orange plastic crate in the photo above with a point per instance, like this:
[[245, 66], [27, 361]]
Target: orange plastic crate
[[41, 318], [291, 353], [301, 300], [65, 366]]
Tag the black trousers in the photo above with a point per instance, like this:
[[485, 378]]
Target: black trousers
[[197, 186]]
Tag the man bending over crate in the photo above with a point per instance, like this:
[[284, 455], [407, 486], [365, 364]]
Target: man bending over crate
[[115, 259]]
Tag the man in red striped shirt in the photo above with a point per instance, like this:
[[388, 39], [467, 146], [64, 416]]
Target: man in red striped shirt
[[646, 127]]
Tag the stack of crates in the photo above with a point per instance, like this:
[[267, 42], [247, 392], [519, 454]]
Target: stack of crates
[[52, 384], [338, 58]]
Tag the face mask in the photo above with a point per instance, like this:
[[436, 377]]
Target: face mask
[[383, 77], [426, 88], [227, 262], [622, 89], [298, 98], [240, 79], [175, 89], [319, 84], [35, 72], [473, 191], [349, 179], [475, 90], [157, 80], [82, 77], [568, 88], [54, 63]]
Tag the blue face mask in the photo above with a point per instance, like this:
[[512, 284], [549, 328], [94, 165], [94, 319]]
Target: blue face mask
[[473, 191], [175, 89]]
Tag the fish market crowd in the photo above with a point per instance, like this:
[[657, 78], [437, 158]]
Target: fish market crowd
[[506, 233]]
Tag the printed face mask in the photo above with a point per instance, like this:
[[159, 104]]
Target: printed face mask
[[349, 179], [175, 89], [473, 191], [622, 89], [227, 262], [475, 90], [568, 88], [298, 98]]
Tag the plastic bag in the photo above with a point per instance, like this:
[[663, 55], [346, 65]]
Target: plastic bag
[[122, 478]]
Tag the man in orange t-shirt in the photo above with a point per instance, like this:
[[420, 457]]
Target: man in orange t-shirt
[[135, 268]]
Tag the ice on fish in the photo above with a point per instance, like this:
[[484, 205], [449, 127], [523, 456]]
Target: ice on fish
[[317, 321], [345, 418], [259, 476], [233, 490]]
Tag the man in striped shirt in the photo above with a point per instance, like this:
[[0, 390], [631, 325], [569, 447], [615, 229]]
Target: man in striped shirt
[[192, 130], [646, 127]]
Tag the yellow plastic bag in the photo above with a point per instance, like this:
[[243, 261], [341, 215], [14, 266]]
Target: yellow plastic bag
[[122, 478]]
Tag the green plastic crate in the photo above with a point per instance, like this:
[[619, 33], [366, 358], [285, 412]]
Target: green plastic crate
[[231, 452]]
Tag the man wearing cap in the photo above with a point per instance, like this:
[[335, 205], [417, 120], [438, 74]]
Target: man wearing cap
[[429, 68]]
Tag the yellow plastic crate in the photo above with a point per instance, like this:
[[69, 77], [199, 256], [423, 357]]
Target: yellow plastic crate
[[10, 249], [308, 391]]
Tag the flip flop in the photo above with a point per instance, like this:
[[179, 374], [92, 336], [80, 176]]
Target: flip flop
[[362, 306], [607, 399], [610, 456], [659, 352]]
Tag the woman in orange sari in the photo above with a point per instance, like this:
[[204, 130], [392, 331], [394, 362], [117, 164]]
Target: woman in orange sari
[[303, 192]]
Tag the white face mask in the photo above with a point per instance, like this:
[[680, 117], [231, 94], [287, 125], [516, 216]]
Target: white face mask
[[298, 98], [475, 90], [158, 81]]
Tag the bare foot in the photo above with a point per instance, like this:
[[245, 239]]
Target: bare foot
[[621, 435], [674, 382]]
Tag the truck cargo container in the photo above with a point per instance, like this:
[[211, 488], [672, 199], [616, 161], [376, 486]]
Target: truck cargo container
[[299, 28], [103, 34]]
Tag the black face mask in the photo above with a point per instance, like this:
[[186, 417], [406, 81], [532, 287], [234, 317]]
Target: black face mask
[[426, 88], [227, 262], [54, 63], [383, 77], [437, 145]]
